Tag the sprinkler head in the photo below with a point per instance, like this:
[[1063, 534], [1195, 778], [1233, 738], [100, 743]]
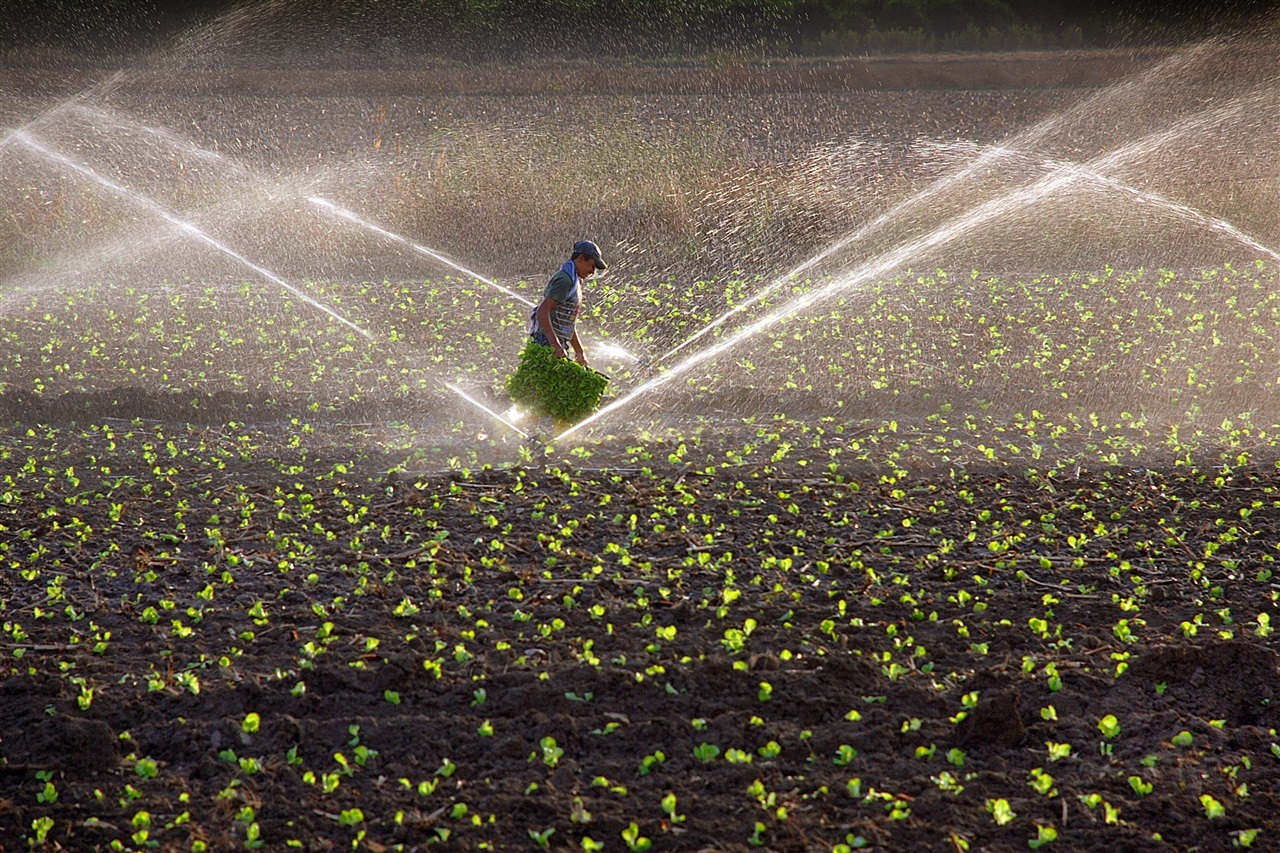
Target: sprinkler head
[[646, 365]]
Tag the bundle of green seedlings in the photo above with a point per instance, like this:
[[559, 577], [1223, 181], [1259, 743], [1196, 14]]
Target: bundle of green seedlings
[[557, 387]]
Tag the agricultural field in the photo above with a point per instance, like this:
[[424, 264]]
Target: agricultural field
[[932, 504], [995, 572]]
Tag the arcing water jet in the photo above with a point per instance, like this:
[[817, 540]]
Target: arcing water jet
[[990, 157], [187, 227], [342, 212], [975, 217]]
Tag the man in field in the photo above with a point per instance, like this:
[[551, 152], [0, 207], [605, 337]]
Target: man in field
[[553, 322]]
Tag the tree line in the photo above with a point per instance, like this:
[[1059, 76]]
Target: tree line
[[506, 29]]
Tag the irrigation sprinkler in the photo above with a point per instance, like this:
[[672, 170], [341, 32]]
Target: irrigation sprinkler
[[187, 146], [990, 157], [188, 228], [941, 235], [482, 407]]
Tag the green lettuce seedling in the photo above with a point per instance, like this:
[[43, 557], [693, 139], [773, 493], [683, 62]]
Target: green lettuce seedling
[[557, 387]]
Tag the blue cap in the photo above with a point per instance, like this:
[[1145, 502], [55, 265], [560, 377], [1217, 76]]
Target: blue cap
[[590, 250]]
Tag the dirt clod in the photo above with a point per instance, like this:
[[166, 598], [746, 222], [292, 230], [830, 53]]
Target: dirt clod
[[994, 724]]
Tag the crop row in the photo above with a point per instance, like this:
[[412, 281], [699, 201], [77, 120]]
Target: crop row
[[1164, 346]]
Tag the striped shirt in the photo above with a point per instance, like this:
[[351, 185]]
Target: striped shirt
[[565, 288]]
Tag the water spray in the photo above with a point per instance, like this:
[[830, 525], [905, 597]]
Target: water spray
[[615, 351], [194, 231], [75, 103], [53, 112], [187, 227], [417, 247], [990, 157], [1164, 203], [1186, 212], [977, 216], [1062, 173], [188, 147], [482, 407], [609, 350], [881, 265]]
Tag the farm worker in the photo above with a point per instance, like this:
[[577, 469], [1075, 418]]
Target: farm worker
[[562, 300]]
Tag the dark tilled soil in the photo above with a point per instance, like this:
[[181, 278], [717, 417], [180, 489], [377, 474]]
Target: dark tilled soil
[[472, 659]]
